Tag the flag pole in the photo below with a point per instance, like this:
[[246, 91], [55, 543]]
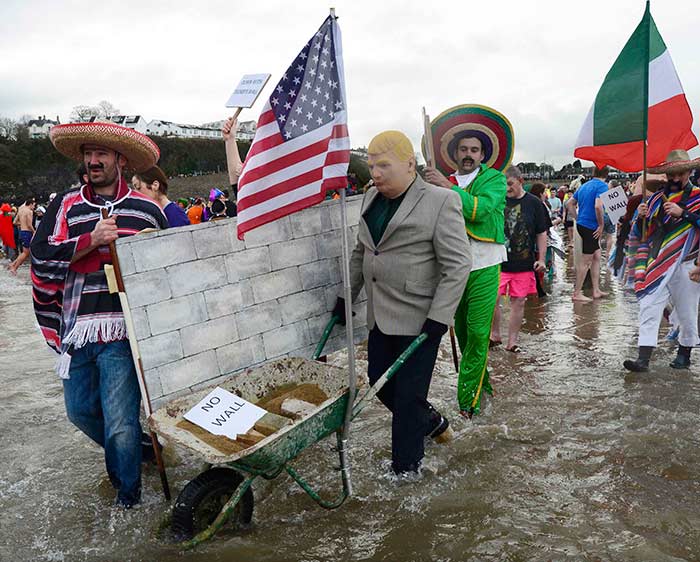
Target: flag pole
[[349, 333], [647, 16], [430, 157]]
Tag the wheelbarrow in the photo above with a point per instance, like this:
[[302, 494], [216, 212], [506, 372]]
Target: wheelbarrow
[[223, 492]]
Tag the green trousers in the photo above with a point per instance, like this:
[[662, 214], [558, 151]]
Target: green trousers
[[473, 328]]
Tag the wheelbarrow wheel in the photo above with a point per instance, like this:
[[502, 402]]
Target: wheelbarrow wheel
[[202, 499]]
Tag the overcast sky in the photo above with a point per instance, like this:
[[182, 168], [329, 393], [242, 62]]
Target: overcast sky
[[540, 63]]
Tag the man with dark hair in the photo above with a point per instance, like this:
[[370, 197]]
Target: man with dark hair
[[78, 316], [586, 207], [230, 205], [483, 194]]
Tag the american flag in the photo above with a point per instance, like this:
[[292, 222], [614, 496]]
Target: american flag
[[301, 147]]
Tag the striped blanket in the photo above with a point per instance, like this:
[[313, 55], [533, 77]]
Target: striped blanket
[[669, 241], [72, 302]]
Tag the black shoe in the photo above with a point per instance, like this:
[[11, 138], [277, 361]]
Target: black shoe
[[641, 364], [439, 428], [636, 366], [682, 360]]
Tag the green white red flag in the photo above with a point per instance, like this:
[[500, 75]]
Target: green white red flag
[[640, 99]]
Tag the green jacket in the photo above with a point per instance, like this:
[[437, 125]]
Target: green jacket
[[483, 202]]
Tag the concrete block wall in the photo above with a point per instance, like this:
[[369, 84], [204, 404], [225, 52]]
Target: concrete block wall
[[206, 305]]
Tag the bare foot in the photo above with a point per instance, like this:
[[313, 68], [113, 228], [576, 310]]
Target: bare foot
[[600, 295], [580, 297]]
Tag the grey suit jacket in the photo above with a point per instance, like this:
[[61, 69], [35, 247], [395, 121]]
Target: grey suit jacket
[[420, 267]]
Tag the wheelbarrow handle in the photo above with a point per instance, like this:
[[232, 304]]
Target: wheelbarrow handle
[[390, 372], [324, 337]]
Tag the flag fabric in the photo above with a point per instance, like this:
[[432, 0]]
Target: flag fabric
[[641, 98], [301, 147]]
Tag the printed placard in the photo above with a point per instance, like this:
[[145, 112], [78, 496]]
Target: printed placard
[[615, 203], [223, 413], [248, 90]]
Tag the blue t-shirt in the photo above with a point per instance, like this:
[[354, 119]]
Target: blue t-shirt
[[585, 197], [176, 215]]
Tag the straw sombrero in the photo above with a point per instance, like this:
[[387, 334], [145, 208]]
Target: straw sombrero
[[677, 162], [140, 151], [491, 127]]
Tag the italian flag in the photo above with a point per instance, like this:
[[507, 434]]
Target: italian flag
[[640, 100]]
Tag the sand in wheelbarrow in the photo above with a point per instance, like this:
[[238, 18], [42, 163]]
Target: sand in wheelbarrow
[[269, 424]]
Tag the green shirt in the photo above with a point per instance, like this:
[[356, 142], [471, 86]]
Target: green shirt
[[380, 213]]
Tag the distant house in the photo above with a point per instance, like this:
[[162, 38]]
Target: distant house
[[135, 122], [39, 128], [245, 132], [161, 128]]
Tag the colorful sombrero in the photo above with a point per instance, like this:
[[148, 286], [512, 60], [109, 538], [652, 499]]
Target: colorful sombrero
[[492, 128], [140, 151]]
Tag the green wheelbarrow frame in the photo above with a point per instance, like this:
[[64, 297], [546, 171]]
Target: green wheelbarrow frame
[[272, 459]]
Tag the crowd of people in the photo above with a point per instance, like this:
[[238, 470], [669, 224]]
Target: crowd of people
[[433, 251]]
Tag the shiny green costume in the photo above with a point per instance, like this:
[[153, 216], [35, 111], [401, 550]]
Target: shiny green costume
[[483, 202]]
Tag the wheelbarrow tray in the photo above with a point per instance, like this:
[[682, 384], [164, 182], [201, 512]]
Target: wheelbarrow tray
[[278, 448]]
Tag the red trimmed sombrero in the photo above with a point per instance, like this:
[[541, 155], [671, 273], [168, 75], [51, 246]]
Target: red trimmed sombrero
[[491, 127], [140, 151]]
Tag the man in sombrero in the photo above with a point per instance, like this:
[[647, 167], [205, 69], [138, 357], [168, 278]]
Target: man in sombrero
[[666, 262], [482, 189], [77, 315]]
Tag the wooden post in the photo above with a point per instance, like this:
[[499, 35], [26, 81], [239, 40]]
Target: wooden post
[[430, 161]]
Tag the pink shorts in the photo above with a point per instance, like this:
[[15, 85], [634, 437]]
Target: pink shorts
[[520, 284]]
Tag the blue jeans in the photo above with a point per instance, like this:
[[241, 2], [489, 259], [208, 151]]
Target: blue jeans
[[103, 400]]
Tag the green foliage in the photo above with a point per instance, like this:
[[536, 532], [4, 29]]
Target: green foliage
[[358, 165], [35, 167]]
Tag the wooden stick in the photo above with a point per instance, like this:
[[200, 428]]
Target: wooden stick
[[430, 161], [116, 269]]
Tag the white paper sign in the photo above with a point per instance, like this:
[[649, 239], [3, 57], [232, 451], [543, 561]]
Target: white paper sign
[[224, 413], [615, 203], [248, 90]]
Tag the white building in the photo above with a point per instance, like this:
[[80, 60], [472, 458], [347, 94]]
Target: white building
[[245, 132], [135, 122], [161, 128], [40, 127]]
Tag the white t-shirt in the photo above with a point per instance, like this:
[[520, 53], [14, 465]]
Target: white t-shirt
[[484, 254]]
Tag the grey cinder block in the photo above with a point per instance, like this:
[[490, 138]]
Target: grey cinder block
[[209, 335], [293, 252], [163, 251], [197, 276], [147, 288], [176, 313]]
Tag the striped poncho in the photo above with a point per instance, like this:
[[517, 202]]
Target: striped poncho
[[72, 302], [669, 240]]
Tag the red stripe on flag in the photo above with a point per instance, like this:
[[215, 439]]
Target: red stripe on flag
[[280, 188], [338, 157], [290, 159], [266, 118], [264, 144]]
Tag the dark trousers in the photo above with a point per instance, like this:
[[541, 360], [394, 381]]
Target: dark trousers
[[405, 395]]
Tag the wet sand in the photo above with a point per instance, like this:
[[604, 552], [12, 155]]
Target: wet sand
[[573, 459]]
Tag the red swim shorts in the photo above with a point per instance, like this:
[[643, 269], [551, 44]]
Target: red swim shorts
[[520, 284]]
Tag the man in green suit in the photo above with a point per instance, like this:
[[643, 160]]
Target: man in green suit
[[483, 194]]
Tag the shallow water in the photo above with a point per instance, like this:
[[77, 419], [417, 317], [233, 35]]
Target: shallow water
[[573, 459]]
